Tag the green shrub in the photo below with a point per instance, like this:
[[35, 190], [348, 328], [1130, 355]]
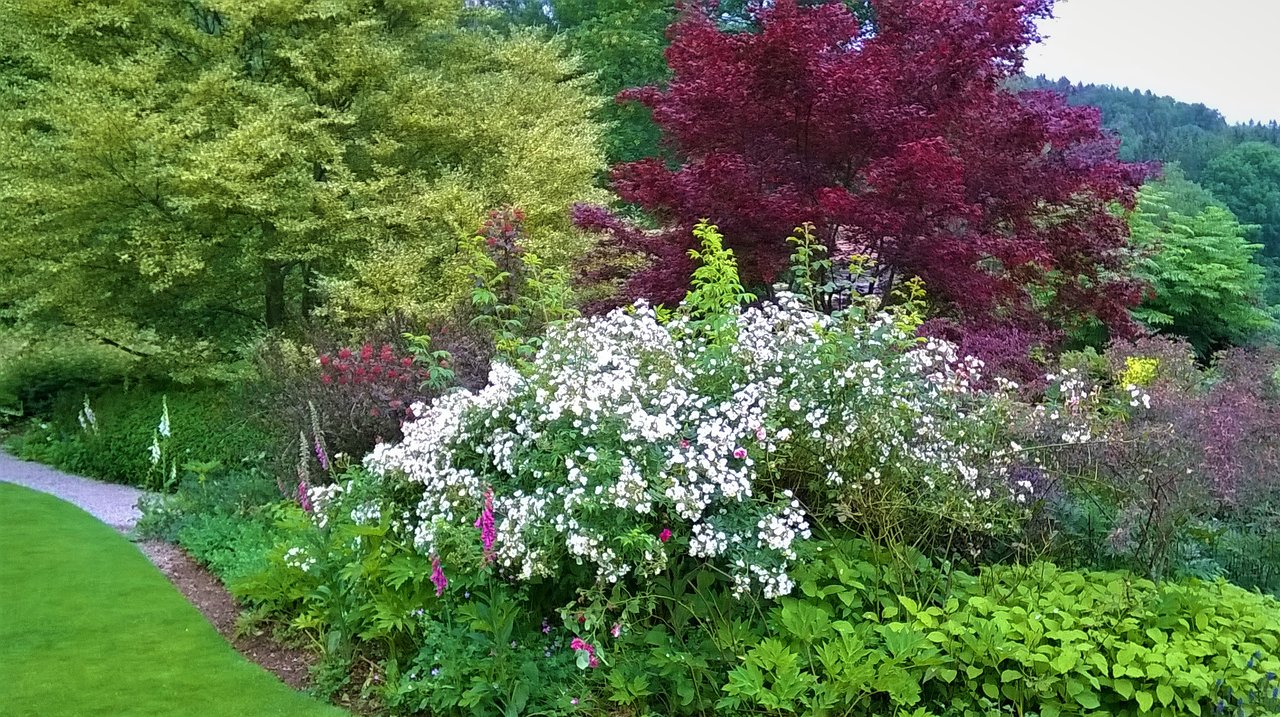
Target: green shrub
[[481, 648], [208, 426], [34, 372], [1027, 639], [226, 520]]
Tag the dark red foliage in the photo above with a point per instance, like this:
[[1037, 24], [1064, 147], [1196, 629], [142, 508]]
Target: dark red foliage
[[1006, 350], [1240, 428], [901, 140]]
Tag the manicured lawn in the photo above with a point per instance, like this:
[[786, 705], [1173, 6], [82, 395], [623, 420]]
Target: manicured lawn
[[89, 627]]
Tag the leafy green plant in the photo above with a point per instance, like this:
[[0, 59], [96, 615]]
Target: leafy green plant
[[232, 547], [516, 296], [1205, 283], [1024, 638], [716, 294], [486, 655], [667, 645]]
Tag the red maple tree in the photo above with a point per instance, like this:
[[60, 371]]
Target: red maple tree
[[901, 140]]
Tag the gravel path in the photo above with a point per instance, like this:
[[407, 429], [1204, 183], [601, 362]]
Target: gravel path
[[115, 505]]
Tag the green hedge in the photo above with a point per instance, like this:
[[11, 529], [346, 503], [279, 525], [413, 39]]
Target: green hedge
[[209, 424]]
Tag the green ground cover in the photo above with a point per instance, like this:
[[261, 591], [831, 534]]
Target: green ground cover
[[89, 627]]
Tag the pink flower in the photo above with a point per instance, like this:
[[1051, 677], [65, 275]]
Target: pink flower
[[739, 453], [321, 455], [303, 499], [665, 535], [580, 645], [616, 630], [488, 534], [760, 434], [437, 576]]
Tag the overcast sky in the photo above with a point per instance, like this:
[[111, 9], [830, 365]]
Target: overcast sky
[[1223, 53]]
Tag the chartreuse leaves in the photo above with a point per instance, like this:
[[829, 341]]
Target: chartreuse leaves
[[1042, 641]]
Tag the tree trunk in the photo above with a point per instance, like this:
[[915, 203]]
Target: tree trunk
[[310, 294], [273, 274]]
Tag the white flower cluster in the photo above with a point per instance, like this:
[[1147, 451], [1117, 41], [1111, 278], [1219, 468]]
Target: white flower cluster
[[1075, 404], [320, 497], [1138, 397], [88, 419], [298, 558], [366, 514], [626, 431]]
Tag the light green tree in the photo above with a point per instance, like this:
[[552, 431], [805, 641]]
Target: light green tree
[[1205, 282], [200, 169]]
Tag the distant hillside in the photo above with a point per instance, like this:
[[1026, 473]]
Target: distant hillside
[[1152, 127]]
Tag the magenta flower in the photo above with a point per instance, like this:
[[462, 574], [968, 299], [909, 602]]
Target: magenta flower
[[580, 645], [665, 535], [303, 499], [437, 576], [488, 534], [739, 453], [321, 455]]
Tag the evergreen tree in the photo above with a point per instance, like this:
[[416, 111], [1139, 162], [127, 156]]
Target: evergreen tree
[[1247, 179]]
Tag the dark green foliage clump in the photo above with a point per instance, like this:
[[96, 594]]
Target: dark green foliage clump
[[33, 373], [209, 426]]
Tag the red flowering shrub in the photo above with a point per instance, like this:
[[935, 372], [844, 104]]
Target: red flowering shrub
[[385, 382], [900, 143], [342, 402]]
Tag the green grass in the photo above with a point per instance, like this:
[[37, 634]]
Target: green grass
[[89, 627]]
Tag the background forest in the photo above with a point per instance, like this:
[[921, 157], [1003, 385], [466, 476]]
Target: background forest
[[615, 357]]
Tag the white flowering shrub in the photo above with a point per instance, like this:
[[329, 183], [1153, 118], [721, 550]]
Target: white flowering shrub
[[625, 431]]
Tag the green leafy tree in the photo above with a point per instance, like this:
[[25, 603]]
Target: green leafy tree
[[1205, 282], [1247, 178], [199, 169], [1183, 196], [622, 42]]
